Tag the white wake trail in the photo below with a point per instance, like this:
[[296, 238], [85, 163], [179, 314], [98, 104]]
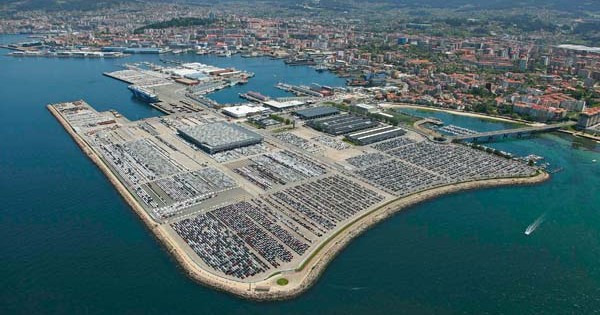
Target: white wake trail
[[535, 224]]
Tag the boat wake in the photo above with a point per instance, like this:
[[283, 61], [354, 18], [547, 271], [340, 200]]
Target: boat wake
[[347, 288], [535, 224]]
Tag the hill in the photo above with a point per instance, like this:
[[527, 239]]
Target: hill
[[57, 5], [564, 5]]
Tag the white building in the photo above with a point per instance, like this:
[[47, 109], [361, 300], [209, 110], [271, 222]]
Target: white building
[[243, 110]]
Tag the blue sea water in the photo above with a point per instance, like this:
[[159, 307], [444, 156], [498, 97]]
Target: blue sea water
[[476, 124], [70, 245]]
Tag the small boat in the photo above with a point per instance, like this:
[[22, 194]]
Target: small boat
[[224, 54], [531, 228]]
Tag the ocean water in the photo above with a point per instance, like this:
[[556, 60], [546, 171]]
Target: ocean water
[[481, 125], [70, 245]]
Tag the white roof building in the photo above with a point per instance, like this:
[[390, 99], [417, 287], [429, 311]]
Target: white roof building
[[243, 110], [283, 105]]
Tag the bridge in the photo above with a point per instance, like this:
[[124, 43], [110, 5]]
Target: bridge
[[502, 134]]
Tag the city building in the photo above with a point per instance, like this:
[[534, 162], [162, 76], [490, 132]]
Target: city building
[[589, 117]]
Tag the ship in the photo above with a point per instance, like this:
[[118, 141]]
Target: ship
[[531, 228], [143, 94], [300, 62], [251, 55], [321, 68], [224, 54], [254, 96]]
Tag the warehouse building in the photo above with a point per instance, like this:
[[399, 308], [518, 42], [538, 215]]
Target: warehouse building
[[369, 136], [341, 124], [365, 108], [243, 110], [219, 136], [317, 112], [283, 105]]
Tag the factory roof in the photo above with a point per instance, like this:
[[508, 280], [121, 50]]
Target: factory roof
[[374, 132], [282, 105], [342, 124], [219, 134], [243, 110], [317, 112], [365, 106]]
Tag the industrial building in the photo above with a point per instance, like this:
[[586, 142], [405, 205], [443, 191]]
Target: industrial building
[[369, 136], [243, 110], [341, 124], [317, 112], [282, 105], [365, 108], [219, 136], [265, 122]]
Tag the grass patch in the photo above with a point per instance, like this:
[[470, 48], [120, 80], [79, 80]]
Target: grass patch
[[282, 281], [348, 141], [400, 118], [283, 129], [253, 124]]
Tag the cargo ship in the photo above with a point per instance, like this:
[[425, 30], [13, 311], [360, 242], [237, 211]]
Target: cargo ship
[[254, 96], [143, 94]]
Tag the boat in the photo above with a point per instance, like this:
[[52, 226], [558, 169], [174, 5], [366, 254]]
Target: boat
[[224, 54], [535, 224], [250, 55], [254, 96], [300, 62], [321, 68], [143, 94]]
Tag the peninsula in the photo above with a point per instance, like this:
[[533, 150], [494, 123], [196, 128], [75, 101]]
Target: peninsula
[[258, 206]]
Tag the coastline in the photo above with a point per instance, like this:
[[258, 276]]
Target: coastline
[[579, 134], [494, 118], [462, 113], [188, 265], [317, 263], [308, 273]]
